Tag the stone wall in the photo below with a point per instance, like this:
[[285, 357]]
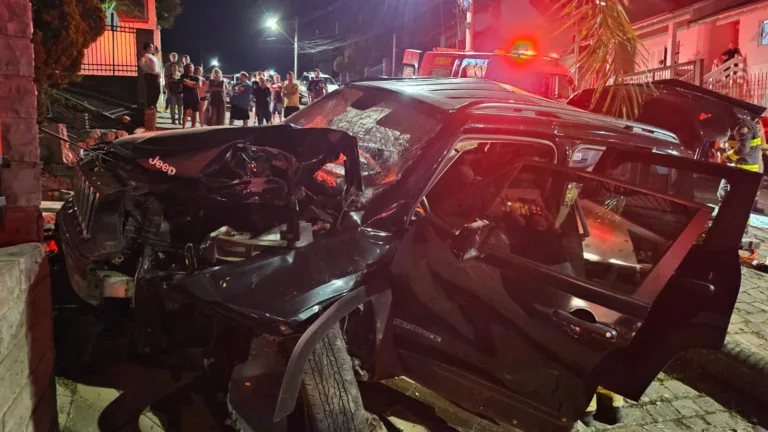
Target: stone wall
[[22, 220], [27, 391], [27, 397]]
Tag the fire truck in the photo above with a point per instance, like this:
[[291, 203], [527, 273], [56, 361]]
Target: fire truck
[[525, 69]]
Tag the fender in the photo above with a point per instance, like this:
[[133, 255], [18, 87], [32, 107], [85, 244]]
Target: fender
[[289, 390]]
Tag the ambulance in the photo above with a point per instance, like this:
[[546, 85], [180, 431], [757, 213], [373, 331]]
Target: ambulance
[[543, 75]]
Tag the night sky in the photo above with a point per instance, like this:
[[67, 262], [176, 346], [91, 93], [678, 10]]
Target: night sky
[[233, 32]]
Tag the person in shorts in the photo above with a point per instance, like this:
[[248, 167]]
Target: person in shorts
[[240, 101], [190, 96], [290, 96], [277, 99]]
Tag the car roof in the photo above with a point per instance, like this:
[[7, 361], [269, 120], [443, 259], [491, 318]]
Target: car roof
[[452, 93], [480, 96]]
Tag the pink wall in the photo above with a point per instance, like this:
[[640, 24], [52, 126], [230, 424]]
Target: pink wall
[[749, 39]]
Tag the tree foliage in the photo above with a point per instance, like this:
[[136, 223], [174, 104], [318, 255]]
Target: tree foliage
[[63, 29], [167, 11], [609, 47], [357, 55]]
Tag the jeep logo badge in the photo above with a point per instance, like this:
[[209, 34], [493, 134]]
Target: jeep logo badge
[[162, 165]]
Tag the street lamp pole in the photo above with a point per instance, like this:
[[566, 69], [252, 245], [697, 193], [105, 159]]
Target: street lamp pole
[[470, 25], [296, 48]]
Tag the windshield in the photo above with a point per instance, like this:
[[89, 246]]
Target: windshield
[[390, 134]]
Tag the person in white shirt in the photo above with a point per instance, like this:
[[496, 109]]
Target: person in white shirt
[[150, 65]]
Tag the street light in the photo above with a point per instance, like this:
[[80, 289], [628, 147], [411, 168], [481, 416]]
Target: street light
[[274, 24], [215, 63]]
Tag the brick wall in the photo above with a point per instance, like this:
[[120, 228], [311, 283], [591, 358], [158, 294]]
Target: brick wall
[[18, 128], [27, 391]]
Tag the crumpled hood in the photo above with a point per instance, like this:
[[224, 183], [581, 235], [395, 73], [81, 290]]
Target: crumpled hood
[[258, 164]]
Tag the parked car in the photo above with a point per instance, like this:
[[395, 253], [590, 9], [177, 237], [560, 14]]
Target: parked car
[[330, 83], [698, 116], [431, 228]]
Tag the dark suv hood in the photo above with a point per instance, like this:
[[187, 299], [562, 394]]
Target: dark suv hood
[[694, 113], [257, 164]]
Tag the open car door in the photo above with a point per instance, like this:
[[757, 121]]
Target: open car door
[[517, 297]]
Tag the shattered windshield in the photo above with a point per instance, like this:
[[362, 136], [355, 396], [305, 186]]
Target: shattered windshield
[[390, 134]]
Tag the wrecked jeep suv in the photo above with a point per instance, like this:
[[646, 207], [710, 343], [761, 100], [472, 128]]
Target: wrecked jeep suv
[[443, 224]]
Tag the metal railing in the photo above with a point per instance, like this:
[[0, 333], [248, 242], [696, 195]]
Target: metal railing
[[114, 53], [730, 69], [749, 87], [691, 72]]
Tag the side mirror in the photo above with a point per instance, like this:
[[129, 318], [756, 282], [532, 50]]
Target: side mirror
[[465, 244]]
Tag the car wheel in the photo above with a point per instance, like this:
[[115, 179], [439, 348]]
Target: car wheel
[[329, 390]]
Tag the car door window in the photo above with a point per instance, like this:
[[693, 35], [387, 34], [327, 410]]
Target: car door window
[[608, 234], [480, 160]]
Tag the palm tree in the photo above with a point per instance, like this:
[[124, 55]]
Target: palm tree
[[611, 48]]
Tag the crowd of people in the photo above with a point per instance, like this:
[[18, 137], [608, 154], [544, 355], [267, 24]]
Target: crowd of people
[[193, 99]]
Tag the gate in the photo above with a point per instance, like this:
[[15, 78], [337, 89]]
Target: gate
[[114, 54]]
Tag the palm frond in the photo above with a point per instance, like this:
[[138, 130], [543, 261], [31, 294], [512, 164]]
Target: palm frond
[[610, 44]]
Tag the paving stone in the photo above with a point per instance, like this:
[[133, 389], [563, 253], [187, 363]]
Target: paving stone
[[687, 407], [759, 294], [746, 297], [695, 423], [722, 420], [655, 391], [708, 405], [679, 389], [757, 316], [747, 309], [637, 416], [667, 427], [662, 412]]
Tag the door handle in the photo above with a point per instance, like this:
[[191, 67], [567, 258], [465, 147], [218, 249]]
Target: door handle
[[581, 328]]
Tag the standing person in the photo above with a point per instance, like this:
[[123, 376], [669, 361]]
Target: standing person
[[217, 105], [168, 75], [290, 96], [316, 87], [241, 100], [185, 61], [277, 100], [173, 91], [261, 95], [150, 65], [190, 97], [731, 53], [202, 93]]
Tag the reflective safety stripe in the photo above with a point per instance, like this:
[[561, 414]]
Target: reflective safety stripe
[[732, 156], [754, 143], [754, 168]]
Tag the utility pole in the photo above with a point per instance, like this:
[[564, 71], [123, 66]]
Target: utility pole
[[296, 48], [470, 25], [394, 52]]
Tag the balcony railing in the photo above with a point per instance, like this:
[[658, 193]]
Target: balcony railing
[[691, 72]]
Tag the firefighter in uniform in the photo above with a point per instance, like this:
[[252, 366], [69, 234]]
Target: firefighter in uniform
[[744, 150]]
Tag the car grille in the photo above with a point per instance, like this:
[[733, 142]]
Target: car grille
[[85, 199]]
